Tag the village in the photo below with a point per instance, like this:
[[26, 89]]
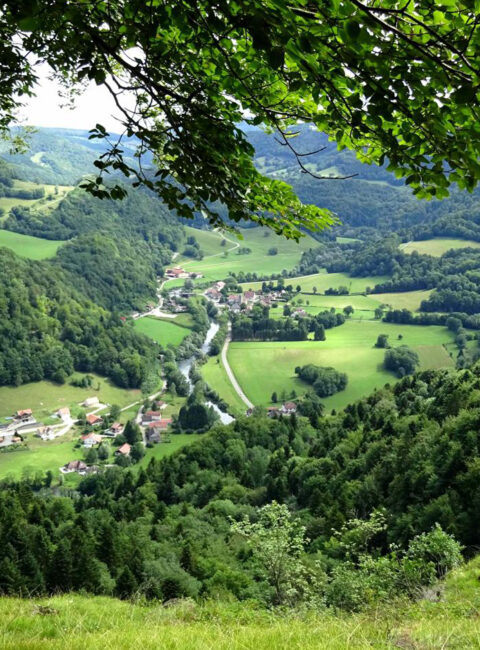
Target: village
[[245, 301], [95, 429]]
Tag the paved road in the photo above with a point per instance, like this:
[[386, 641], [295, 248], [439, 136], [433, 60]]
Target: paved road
[[230, 374]]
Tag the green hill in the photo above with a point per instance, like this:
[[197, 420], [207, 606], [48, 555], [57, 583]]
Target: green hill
[[101, 623]]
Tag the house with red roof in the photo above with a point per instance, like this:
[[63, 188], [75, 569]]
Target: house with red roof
[[124, 450], [23, 416], [93, 419]]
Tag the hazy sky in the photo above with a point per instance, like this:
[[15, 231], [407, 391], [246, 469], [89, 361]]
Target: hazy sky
[[95, 105]]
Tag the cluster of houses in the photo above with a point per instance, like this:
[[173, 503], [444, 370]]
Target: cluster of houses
[[237, 301], [288, 408], [154, 424], [178, 272]]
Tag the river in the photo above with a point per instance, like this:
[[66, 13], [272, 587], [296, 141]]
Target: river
[[185, 365]]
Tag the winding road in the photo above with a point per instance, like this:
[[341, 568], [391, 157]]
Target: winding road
[[229, 371]]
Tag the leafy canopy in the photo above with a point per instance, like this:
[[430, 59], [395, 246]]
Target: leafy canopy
[[394, 80]]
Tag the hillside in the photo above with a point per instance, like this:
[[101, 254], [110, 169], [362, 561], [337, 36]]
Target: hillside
[[100, 623]]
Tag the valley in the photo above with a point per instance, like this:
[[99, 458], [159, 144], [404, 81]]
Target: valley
[[153, 333]]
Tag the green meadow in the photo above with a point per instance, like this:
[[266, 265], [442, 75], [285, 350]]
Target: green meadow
[[262, 368], [32, 247], [406, 300], [45, 204], [438, 246], [45, 397], [162, 331], [259, 240], [40, 456], [323, 281], [210, 241], [213, 372]]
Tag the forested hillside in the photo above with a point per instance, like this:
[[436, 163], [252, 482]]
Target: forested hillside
[[49, 328], [117, 248], [386, 471]]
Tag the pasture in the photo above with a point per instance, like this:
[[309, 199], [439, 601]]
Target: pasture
[[323, 281], [259, 240], [262, 368], [164, 332], [438, 246], [210, 241], [47, 203], [33, 248], [406, 300], [40, 457], [216, 377], [45, 397]]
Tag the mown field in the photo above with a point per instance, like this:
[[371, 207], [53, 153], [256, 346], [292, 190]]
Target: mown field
[[259, 240], [262, 368], [323, 281], [33, 248], [216, 377], [45, 397], [162, 331], [438, 246], [406, 300], [77, 622]]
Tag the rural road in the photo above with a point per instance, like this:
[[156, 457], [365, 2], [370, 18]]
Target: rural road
[[230, 374]]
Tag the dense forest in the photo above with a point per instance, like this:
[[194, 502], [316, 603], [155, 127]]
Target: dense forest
[[48, 329], [385, 471]]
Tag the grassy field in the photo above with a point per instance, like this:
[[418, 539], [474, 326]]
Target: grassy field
[[259, 240], [358, 302], [163, 449], [216, 377], [438, 246], [46, 203], [211, 241], [407, 300], [45, 397], [324, 281], [262, 368], [162, 331], [40, 457], [33, 248], [77, 622]]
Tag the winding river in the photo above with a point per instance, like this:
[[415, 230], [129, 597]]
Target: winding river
[[185, 365]]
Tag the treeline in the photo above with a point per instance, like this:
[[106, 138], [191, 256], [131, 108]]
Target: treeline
[[257, 325], [406, 456], [48, 329], [324, 381], [455, 276]]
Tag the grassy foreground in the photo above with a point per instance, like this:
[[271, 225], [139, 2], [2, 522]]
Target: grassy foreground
[[101, 623]]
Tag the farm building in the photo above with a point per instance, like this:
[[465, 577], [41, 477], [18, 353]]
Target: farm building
[[23, 416], [91, 401], [64, 413]]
